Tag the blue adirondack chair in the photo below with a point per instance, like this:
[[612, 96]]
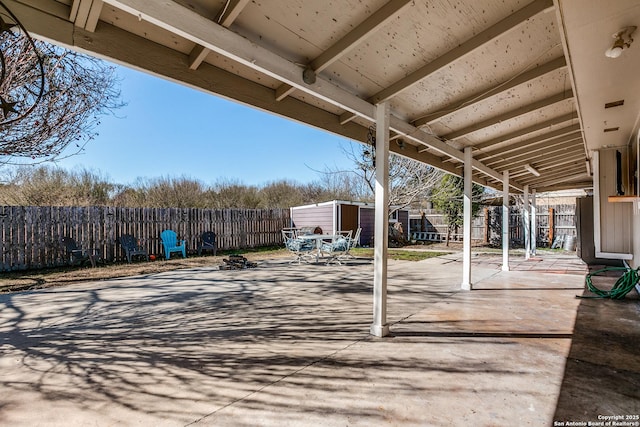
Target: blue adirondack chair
[[172, 244]]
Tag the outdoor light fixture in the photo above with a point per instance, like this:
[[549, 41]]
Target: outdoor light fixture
[[622, 39], [309, 76], [531, 169]]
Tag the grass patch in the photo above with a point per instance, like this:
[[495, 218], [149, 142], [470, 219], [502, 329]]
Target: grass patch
[[399, 254]]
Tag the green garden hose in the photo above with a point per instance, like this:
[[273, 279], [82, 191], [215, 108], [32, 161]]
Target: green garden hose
[[622, 287]]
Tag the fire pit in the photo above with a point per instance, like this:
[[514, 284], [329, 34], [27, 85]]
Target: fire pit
[[237, 262]]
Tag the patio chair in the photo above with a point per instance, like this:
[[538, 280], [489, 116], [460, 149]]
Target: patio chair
[[295, 231], [338, 247], [301, 248], [207, 242], [344, 233], [352, 244], [131, 247], [76, 255], [171, 244]]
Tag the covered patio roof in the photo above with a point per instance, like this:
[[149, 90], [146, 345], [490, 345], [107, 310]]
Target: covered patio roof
[[523, 83]]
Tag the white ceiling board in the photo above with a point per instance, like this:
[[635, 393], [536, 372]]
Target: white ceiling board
[[536, 90], [511, 125], [532, 44], [300, 30], [421, 34], [589, 27]]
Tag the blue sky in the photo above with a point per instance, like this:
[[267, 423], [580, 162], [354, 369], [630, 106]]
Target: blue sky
[[170, 130]]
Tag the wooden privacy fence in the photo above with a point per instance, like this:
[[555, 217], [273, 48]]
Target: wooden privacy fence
[[551, 221], [30, 235]]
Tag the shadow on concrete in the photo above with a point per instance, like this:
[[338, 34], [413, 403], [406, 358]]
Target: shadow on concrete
[[156, 344], [602, 373], [280, 344]]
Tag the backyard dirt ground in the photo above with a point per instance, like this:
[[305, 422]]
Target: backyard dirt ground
[[51, 277], [45, 278]]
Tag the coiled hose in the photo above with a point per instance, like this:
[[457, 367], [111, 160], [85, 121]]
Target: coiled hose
[[622, 287]]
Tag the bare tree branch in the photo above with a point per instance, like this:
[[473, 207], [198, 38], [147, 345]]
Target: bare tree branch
[[78, 89], [409, 181]]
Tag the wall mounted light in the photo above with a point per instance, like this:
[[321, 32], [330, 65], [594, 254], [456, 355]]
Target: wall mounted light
[[531, 169], [622, 39]]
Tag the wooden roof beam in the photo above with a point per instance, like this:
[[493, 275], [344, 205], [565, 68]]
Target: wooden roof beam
[[564, 149], [227, 15], [585, 183], [554, 99], [367, 27], [546, 166], [561, 180], [532, 180], [230, 12], [539, 162], [482, 155], [523, 78], [508, 23], [525, 146], [85, 13], [486, 145]]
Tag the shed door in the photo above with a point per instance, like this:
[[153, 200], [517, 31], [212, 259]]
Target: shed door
[[349, 215]]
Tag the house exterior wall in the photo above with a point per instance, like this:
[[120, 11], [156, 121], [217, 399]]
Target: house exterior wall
[[314, 216], [634, 162], [615, 218], [635, 262]]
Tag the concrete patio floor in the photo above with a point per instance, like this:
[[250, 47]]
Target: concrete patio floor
[[288, 345]]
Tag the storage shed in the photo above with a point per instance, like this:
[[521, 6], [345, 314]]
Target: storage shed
[[338, 215]]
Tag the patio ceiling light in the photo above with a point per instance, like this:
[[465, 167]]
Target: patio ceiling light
[[622, 39]]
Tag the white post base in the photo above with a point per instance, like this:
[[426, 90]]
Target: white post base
[[466, 286], [379, 330]]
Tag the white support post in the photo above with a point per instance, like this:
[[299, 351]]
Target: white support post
[[525, 223], [379, 327], [533, 223], [505, 221], [466, 237], [597, 230]]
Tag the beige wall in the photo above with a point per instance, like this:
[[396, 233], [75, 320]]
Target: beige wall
[[615, 218]]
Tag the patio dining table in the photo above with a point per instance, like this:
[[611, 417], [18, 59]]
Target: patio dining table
[[319, 238]]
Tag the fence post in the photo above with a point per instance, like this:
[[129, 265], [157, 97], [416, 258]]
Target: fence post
[[487, 227], [551, 226]]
